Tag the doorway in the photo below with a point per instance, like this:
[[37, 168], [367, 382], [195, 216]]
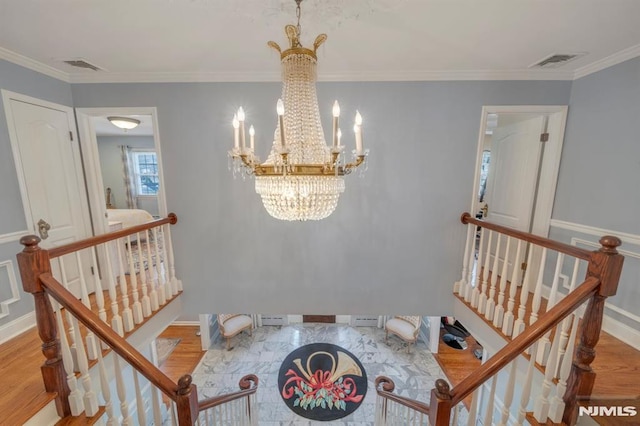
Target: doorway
[[329, 319], [517, 165], [123, 167]]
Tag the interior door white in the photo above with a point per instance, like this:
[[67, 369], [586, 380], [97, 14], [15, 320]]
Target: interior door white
[[48, 160], [513, 173], [512, 180]]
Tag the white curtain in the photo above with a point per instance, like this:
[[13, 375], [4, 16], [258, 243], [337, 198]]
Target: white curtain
[[128, 177]]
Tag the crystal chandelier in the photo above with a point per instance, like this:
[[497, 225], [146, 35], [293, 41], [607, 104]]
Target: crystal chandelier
[[302, 178]]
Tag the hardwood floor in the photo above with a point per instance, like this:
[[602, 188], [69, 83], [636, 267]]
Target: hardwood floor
[[187, 354]]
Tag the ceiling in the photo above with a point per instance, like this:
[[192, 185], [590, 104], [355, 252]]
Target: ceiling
[[368, 40]]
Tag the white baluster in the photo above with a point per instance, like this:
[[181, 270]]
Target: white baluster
[[106, 391], [142, 416], [160, 245], [127, 315], [473, 409], [153, 284], [482, 300], [146, 302], [557, 406], [116, 319], [90, 338], [498, 312], [133, 274], [491, 303], [508, 394], [518, 326], [473, 266], [155, 405], [460, 286], [75, 398], [176, 284], [507, 322], [98, 291], [71, 331], [543, 345], [537, 294], [488, 416], [541, 409], [121, 391], [174, 416], [526, 388], [454, 419], [475, 295], [566, 323], [90, 398], [162, 294]]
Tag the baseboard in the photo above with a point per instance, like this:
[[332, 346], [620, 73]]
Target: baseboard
[[621, 331], [17, 326], [186, 323]]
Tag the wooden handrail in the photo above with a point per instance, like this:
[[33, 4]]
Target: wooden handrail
[[525, 339], [574, 251], [248, 384], [118, 344], [384, 388], [100, 239]]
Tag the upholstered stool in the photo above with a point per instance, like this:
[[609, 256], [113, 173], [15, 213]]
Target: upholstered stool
[[405, 327], [232, 324]]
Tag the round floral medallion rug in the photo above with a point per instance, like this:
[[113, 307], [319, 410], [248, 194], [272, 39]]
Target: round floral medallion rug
[[322, 382]]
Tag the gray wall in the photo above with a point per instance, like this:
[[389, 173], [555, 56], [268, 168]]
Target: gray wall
[[111, 167], [598, 183], [18, 79], [394, 243]]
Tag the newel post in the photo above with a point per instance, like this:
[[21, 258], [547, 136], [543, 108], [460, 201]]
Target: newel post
[[187, 401], [34, 261], [440, 404], [606, 265]]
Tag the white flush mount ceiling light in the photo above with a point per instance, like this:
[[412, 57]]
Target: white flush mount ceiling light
[[125, 123], [302, 178]]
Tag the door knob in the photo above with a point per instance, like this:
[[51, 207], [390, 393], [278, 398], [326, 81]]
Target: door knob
[[485, 210], [43, 229]]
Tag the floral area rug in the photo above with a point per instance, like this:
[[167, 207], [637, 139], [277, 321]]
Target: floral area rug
[[139, 251], [165, 346], [322, 381]]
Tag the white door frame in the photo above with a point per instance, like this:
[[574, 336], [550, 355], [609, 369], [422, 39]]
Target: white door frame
[[91, 159], [7, 96], [550, 161]]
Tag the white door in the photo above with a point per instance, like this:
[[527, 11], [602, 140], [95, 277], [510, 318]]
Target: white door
[[513, 173], [47, 156], [511, 183]]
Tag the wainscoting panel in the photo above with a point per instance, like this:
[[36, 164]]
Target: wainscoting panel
[[9, 292]]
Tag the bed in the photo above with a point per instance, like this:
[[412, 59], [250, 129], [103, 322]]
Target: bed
[[129, 217]]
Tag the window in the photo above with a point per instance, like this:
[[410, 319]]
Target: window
[[145, 166]]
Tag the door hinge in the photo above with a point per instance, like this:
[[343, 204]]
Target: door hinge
[[544, 137], [523, 266], [92, 271], [70, 135]]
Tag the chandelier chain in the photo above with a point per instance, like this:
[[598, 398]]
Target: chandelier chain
[[298, 13]]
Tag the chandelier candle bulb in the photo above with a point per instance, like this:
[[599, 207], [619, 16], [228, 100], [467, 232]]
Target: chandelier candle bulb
[[252, 134], [357, 128], [236, 132], [241, 120], [336, 115]]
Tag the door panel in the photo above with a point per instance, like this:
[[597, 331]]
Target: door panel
[[53, 181]]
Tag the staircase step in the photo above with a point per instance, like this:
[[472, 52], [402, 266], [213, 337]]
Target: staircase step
[[533, 422], [82, 419]]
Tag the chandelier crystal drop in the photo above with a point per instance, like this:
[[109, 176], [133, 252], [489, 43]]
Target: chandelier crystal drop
[[302, 178]]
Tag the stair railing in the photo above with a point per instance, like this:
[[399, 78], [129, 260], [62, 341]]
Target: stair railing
[[86, 354], [543, 337], [395, 410]]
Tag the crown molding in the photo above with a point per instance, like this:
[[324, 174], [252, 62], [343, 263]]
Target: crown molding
[[609, 61], [34, 65], [230, 77]]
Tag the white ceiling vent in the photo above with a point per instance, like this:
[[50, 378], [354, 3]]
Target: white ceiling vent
[[82, 63], [556, 60]]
